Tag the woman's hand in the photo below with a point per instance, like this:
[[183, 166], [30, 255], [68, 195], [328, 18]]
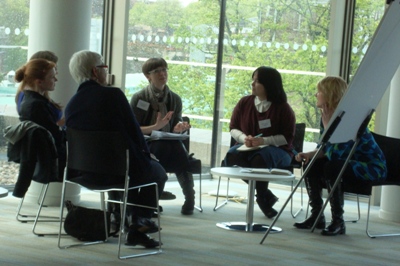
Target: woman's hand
[[162, 121], [181, 127], [251, 141], [307, 156], [302, 157]]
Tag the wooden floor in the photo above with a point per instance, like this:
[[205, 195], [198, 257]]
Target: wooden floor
[[196, 240]]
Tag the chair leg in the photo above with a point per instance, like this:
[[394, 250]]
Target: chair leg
[[359, 213], [25, 218], [62, 206], [367, 227], [294, 215], [125, 203], [199, 208], [37, 219], [216, 207]]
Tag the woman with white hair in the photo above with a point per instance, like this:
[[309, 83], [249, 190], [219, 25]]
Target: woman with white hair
[[96, 106]]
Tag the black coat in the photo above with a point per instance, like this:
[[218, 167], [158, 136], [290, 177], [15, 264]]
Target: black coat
[[38, 159]]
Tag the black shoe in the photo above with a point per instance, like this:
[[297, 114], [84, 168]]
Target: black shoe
[[266, 206], [335, 228], [155, 213], [187, 207], [271, 213], [308, 223], [135, 237], [166, 195], [144, 225]]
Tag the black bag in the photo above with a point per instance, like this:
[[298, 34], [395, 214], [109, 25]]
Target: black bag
[[86, 224]]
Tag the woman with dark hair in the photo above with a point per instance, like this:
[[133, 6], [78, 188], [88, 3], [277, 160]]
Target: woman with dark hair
[[263, 119]]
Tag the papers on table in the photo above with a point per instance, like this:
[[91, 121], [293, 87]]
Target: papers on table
[[273, 171], [157, 135]]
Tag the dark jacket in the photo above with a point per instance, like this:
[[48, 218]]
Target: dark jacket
[[36, 153], [95, 107]]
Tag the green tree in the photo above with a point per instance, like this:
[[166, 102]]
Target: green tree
[[15, 19], [285, 34]]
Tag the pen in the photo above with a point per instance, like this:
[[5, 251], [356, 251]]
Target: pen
[[259, 135]]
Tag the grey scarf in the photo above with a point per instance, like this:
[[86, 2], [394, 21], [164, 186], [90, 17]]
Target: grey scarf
[[158, 102]]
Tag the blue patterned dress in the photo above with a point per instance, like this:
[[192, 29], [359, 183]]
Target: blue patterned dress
[[368, 161]]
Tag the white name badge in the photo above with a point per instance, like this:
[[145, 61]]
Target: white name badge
[[143, 105], [264, 123]]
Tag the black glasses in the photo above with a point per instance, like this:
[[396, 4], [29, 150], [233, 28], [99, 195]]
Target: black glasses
[[159, 70]]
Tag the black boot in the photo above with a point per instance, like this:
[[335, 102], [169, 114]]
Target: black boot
[[315, 199], [337, 225], [266, 201], [309, 222], [186, 182]]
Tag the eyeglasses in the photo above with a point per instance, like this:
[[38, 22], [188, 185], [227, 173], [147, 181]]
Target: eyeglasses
[[105, 67], [158, 71]]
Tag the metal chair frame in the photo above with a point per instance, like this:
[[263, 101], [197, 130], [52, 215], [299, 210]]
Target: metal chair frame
[[113, 156], [25, 218]]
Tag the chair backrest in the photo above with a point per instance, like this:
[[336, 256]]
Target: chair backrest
[[101, 152], [186, 142], [299, 134], [391, 149]]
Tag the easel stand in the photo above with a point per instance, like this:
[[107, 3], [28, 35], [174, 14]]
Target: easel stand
[[323, 143]]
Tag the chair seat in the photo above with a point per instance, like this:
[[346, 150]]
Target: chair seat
[[80, 180]]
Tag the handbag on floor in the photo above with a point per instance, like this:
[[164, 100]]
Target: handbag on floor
[[87, 224]]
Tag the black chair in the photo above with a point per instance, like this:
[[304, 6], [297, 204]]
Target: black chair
[[103, 153], [390, 147], [298, 147]]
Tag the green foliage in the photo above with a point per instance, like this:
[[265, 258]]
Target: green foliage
[[15, 18], [284, 34]]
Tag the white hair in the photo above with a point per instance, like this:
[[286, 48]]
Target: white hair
[[82, 63]]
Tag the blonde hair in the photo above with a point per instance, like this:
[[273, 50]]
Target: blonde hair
[[333, 88]]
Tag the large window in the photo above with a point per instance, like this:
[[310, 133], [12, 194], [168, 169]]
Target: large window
[[291, 36], [14, 34]]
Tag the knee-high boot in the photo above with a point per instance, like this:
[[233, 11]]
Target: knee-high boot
[[314, 191], [186, 182], [337, 225]]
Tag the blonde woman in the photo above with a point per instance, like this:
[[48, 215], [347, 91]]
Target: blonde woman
[[367, 163]]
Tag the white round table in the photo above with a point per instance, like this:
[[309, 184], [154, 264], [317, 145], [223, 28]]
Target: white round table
[[3, 192], [238, 173]]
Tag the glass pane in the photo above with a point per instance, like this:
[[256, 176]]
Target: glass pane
[[292, 38], [14, 31], [368, 15], [183, 33]]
